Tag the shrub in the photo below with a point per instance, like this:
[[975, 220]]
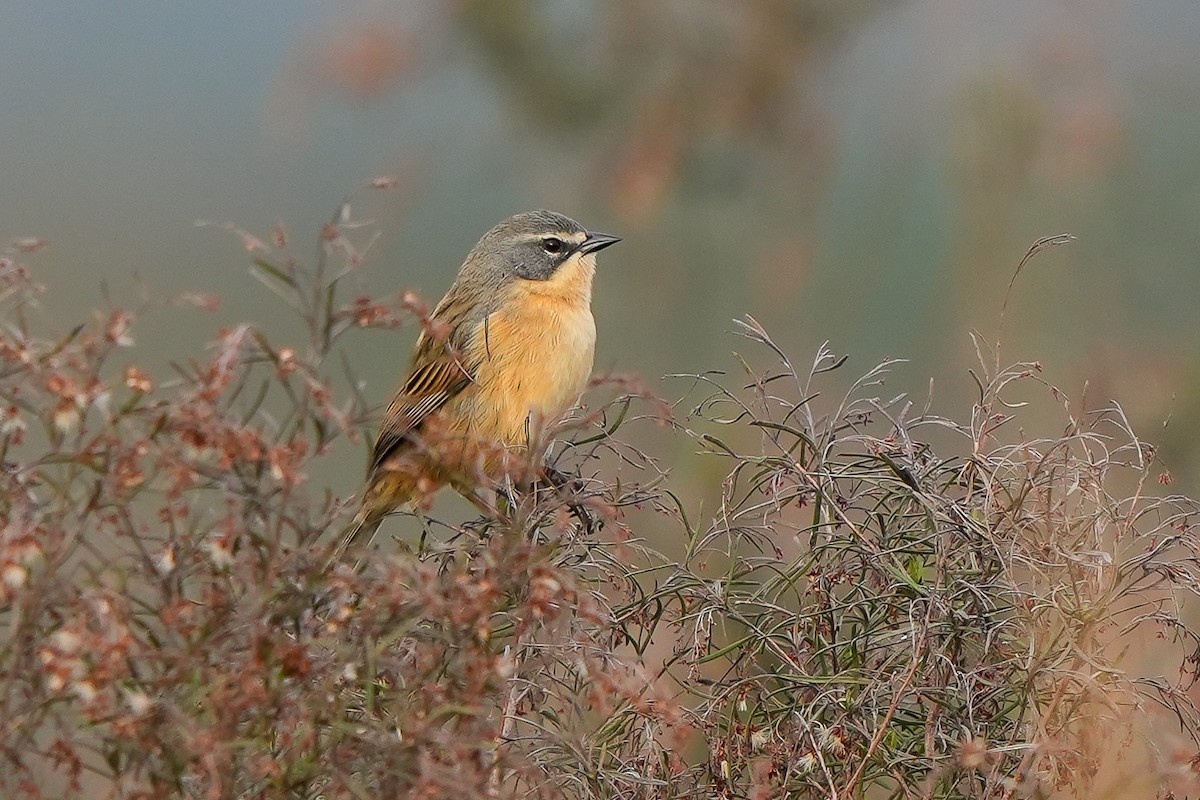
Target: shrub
[[884, 602]]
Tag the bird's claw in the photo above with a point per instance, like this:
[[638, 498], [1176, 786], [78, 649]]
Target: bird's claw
[[572, 487]]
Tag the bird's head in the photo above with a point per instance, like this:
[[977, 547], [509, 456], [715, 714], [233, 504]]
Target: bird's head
[[538, 246]]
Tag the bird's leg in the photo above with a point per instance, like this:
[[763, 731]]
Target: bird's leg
[[494, 502], [506, 495], [509, 501], [572, 487]]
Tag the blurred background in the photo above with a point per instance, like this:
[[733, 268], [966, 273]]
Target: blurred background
[[859, 171]]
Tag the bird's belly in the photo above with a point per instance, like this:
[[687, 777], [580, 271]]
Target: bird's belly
[[535, 366]]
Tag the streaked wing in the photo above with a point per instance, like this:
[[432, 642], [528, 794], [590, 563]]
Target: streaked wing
[[428, 388]]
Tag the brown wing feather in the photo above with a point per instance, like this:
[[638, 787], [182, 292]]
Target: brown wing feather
[[427, 389], [439, 371]]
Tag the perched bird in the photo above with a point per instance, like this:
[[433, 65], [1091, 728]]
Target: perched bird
[[510, 345]]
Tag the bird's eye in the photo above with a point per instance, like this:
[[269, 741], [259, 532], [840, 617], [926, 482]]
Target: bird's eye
[[552, 245]]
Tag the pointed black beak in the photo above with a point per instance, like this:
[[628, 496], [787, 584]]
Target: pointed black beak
[[597, 241]]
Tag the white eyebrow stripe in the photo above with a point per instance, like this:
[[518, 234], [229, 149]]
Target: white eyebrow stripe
[[570, 238]]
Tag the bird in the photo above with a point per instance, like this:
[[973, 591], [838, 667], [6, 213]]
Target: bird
[[510, 346]]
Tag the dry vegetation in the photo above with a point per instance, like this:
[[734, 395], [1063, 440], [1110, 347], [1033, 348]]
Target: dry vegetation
[[864, 614]]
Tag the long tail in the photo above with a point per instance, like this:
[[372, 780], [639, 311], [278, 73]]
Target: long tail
[[359, 533]]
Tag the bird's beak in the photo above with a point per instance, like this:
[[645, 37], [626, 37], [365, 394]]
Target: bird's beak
[[597, 241]]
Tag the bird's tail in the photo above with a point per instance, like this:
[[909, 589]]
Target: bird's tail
[[358, 533]]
